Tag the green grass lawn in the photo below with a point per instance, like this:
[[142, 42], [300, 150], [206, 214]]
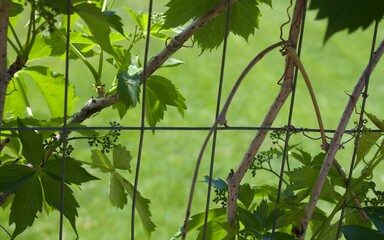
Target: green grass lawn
[[169, 156]]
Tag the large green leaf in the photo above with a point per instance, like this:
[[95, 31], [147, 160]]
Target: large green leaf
[[181, 11], [244, 19], [116, 192], [74, 172], [54, 44], [12, 177], [26, 204], [32, 141], [51, 86], [17, 103], [357, 232], [160, 93], [142, 206], [52, 194], [98, 23], [347, 14]]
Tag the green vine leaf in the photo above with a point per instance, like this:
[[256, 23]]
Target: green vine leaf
[[98, 23], [140, 19], [142, 206], [12, 177], [347, 14], [128, 89], [32, 141], [51, 85], [366, 142], [197, 220], [160, 93], [379, 123], [101, 161], [74, 173], [357, 232], [52, 194], [26, 204], [122, 158], [244, 19]]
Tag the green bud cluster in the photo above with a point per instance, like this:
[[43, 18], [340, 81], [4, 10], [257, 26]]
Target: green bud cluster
[[107, 141]]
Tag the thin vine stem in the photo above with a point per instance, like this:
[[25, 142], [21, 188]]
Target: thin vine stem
[[221, 120]]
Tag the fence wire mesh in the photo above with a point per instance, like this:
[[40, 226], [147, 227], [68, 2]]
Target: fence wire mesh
[[288, 128]]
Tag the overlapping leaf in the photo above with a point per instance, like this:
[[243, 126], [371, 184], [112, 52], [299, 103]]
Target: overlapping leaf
[[347, 14], [26, 204], [13, 177], [142, 206], [128, 88], [160, 93], [51, 86], [32, 141], [74, 172], [52, 195], [99, 24], [244, 19]]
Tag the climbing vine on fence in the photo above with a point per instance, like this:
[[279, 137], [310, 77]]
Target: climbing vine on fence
[[32, 149]]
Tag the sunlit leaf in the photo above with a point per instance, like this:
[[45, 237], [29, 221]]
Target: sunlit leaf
[[17, 101], [32, 141], [98, 23], [26, 204], [122, 158], [141, 19], [51, 85]]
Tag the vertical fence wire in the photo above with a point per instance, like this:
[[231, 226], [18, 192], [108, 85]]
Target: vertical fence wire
[[64, 129], [288, 127], [142, 123], [218, 103], [359, 130]]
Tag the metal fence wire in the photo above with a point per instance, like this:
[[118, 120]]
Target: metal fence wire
[[142, 128]]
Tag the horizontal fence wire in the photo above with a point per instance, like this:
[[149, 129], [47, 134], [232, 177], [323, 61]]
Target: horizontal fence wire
[[182, 128]]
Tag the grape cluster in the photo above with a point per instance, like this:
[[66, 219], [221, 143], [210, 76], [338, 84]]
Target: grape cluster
[[378, 200], [107, 141], [221, 197]]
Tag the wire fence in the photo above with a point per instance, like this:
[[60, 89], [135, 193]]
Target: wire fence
[[142, 129]]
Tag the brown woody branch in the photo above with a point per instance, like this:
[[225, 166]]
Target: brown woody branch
[[286, 89], [335, 142]]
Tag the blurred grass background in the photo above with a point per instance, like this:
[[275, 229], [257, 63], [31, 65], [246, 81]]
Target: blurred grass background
[[169, 157]]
